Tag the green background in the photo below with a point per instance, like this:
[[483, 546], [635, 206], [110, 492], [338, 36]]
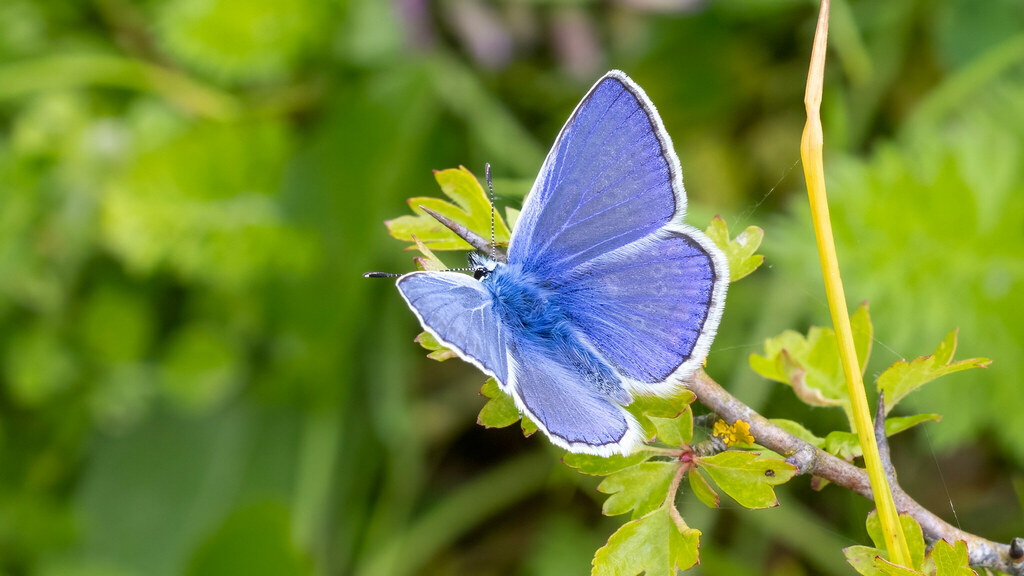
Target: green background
[[195, 379]]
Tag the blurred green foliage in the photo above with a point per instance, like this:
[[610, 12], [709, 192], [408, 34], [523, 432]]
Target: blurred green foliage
[[194, 378]]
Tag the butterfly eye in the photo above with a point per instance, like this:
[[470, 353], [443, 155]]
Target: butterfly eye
[[479, 273]]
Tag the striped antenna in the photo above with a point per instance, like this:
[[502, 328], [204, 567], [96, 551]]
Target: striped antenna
[[490, 186]]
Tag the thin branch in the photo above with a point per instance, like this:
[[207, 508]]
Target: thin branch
[[816, 462]]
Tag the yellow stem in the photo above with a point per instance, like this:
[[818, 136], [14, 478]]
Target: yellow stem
[[811, 155]]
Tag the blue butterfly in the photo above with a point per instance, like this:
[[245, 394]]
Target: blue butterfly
[[606, 293]]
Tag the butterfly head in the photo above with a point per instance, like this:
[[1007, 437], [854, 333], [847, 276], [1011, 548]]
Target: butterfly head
[[481, 265]]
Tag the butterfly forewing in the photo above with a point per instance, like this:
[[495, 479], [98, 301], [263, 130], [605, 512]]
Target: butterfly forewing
[[459, 311], [609, 180]]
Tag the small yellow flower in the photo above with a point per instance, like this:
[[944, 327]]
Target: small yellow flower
[[738, 433]]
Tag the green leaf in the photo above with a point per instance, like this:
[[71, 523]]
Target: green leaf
[[951, 560], [894, 426], [471, 208], [702, 489], [889, 569], [429, 261], [915, 539], [674, 431], [747, 477], [640, 488], [798, 430], [643, 407], [500, 410], [863, 334], [529, 427], [846, 445], [862, 558], [740, 251], [654, 544], [810, 364], [912, 534], [842, 444], [598, 466], [902, 378], [437, 350], [511, 217]]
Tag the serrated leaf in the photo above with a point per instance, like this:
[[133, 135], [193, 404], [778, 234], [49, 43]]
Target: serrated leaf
[[640, 488], [810, 364], [798, 430], [500, 410], [904, 377], [653, 544], [471, 208], [643, 407], [951, 560], [599, 466], [747, 477], [846, 445], [738, 251], [702, 489], [674, 431]]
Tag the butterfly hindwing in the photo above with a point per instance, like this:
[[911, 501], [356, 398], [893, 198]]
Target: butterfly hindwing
[[650, 309], [572, 413], [610, 179]]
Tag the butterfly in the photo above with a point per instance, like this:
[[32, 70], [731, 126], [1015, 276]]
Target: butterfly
[[606, 293]]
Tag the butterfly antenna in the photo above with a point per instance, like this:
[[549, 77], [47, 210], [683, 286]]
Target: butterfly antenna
[[380, 275], [490, 186]]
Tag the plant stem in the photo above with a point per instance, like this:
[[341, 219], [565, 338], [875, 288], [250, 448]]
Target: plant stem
[[816, 462], [811, 153]]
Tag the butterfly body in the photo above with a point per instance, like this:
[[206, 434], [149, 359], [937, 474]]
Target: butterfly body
[[605, 294]]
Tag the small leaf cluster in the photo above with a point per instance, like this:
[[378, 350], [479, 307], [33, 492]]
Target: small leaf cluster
[[945, 559], [645, 484], [810, 365]]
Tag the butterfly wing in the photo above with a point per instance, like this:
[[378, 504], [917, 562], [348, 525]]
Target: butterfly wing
[[572, 414], [603, 225], [650, 308], [458, 311], [610, 179]]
